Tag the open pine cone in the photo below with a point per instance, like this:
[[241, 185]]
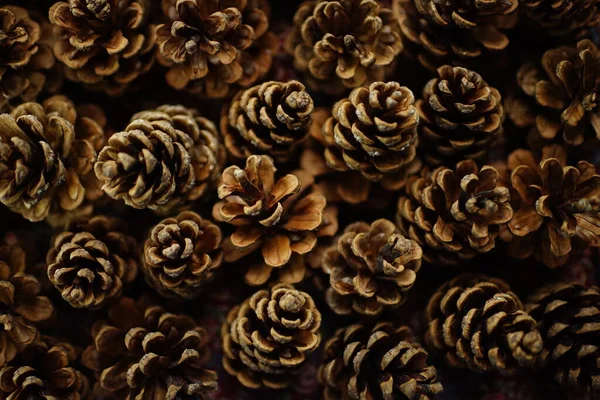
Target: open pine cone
[[563, 18]]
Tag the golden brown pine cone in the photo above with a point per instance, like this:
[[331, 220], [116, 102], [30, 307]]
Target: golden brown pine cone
[[271, 118], [105, 44], [91, 261], [466, 14], [568, 317], [563, 18], [344, 44], [454, 214], [215, 47], [268, 337], [478, 322], [380, 362], [145, 351], [182, 255]]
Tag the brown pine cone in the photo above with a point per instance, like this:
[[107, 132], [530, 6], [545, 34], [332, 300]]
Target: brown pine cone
[[182, 255], [563, 18], [267, 338], [146, 352], [557, 206], [105, 44], [568, 317], [454, 215], [477, 322], [382, 362], [461, 117], [91, 261], [344, 44], [271, 118], [371, 267], [215, 47], [44, 370], [466, 15]]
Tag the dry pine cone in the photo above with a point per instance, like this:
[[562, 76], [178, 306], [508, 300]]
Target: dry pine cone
[[563, 18]]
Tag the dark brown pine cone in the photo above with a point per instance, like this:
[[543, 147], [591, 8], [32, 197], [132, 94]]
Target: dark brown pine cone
[[44, 370], [568, 317], [182, 255], [454, 215], [478, 322], [461, 117], [466, 14], [563, 18], [215, 47], [344, 44], [105, 44], [91, 261], [271, 118], [382, 362], [268, 337], [557, 206], [146, 352], [371, 267]]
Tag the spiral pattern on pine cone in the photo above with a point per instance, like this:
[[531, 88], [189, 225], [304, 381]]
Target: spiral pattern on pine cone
[[563, 18], [464, 14]]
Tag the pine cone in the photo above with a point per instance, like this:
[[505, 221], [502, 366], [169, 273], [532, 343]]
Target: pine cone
[[91, 261], [557, 208], [215, 47], [144, 351], [105, 44], [477, 322], [344, 44], [271, 118], [461, 117], [563, 18], [466, 15], [383, 362], [371, 267], [268, 337], [568, 317], [182, 255], [44, 370], [454, 215]]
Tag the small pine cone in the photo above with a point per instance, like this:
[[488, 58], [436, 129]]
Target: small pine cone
[[371, 267], [344, 44], [271, 118], [91, 261], [266, 339], [563, 18], [568, 317], [461, 117], [145, 351], [477, 322], [182, 255], [454, 215], [382, 362], [44, 370], [105, 44]]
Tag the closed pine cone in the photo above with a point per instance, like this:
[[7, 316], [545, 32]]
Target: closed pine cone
[[557, 208], [371, 267], [563, 18], [182, 255], [381, 362], [454, 214], [477, 322], [144, 352], [568, 316], [268, 337], [91, 261], [271, 118], [461, 117]]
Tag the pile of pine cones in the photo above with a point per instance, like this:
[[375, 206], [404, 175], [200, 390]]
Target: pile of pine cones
[[389, 196]]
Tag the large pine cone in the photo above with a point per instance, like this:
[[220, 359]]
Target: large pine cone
[[344, 44], [146, 352], [384, 362], [454, 215], [105, 44], [568, 317], [91, 261], [271, 118], [182, 255], [370, 267], [215, 47], [268, 337], [477, 322], [563, 18]]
